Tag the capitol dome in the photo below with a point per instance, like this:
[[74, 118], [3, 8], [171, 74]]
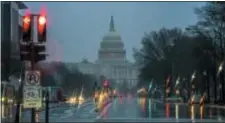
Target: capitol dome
[[112, 43], [112, 39]]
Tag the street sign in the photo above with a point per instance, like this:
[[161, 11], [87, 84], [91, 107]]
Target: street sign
[[32, 97], [32, 78]]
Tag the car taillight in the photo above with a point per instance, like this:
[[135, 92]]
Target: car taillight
[[96, 95]]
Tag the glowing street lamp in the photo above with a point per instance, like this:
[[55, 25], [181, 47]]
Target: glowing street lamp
[[177, 82], [193, 76], [220, 68], [177, 92]]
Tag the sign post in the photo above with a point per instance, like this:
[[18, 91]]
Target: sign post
[[32, 97], [32, 90], [32, 51], [32, 78]]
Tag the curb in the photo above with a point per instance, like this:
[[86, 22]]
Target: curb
[[42, 109], [215, 106]]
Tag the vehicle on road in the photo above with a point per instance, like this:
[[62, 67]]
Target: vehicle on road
[[142, 92]]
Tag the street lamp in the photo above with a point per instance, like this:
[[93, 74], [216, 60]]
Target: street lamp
[[3, 100], [172, 41], [167, 86], [19, 101], [192, 78], [220, 68], [167, 92], [177, 92], [177, 86]]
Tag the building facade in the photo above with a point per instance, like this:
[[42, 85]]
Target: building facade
[[11, 32], [112, 62], [10, 35]]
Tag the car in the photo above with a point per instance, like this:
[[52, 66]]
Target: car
[[142, 92], [76, 100]]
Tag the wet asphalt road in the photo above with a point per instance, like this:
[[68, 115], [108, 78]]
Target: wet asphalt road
[[130, 109], [65, 113]]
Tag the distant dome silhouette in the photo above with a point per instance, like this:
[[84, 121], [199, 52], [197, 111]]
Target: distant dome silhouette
[[112, 39]]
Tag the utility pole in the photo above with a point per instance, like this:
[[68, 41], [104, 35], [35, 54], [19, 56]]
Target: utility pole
[[30, 50]]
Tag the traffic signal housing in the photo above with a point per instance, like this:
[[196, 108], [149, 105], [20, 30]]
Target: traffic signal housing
[[25, 51], [105, 83], [27, 28], [42, 27], [39, 51]]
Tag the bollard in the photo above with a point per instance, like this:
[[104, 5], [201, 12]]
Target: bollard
[[17, 118], [33, 115]]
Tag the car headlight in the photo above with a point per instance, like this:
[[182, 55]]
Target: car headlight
[[72, 100], [3, 99], [101, 97], [81, 98], [10, 100]]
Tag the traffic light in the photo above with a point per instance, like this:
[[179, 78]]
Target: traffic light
[[39, 52], [25, 51], [105, 83], [42, 25], [27, 28]]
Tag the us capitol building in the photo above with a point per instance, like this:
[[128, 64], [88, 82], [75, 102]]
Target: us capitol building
[[111, 63]]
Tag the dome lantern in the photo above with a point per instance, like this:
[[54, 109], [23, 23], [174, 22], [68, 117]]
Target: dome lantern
[[111, 26]]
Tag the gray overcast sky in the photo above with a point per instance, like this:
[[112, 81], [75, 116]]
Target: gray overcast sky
[[76, 28]]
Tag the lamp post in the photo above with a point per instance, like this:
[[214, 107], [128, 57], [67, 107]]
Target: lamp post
[[47, 105], [19, 101], [192, 80], [221, 77], [177, 89], [3, 100]]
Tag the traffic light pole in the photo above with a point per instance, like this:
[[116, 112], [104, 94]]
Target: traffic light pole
[[47, 106], [33, 112], [32, 62], [30, 50]]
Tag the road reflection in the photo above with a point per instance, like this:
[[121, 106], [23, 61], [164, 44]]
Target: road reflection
[[156, 109]]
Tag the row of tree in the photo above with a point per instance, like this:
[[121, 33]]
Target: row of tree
[[198, 50], [70, 80]]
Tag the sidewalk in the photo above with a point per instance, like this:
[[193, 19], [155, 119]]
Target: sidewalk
[[11, 119], [51, 106], [206, 105], [215, 106]]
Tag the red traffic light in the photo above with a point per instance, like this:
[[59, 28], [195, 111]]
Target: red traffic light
[[27, 28], [26, 23], [105, 83], [42, 23], [26, 20], [42, 20]]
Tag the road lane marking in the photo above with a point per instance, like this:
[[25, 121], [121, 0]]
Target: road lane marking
[[105, 109], [92, 110], [69, 113], [172, 120], [85, 104]]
